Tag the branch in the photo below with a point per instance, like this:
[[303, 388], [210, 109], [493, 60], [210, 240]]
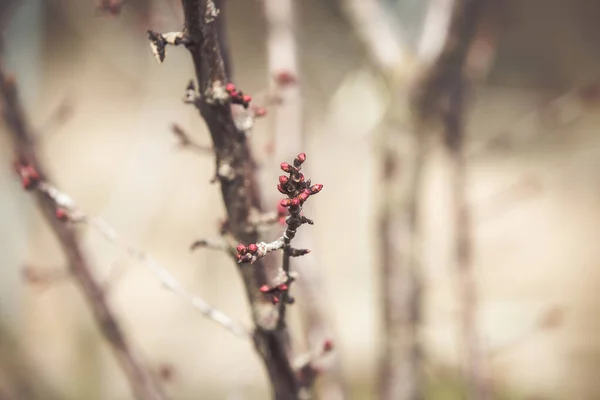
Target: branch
[[440, 97], [143, 384], [235, 172], [379, 34], [287, 136]]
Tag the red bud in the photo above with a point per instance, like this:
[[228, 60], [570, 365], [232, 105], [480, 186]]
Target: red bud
[[246, 98], [303, 196], [283, 287], [281, 190], [283, 179], [295, 201], [31, 172], [328, 345], [285, 203], [241, 248], [26, 183], [314, 189], [230, 87], [260, 112], [275, 300], [301, 157], [285, 167], [264, 288], [252, 248], [61, 214]]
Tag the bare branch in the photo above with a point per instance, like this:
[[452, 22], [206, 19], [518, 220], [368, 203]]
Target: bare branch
[[235, 172], [288, 138], [67, 211], [439, 96], [143, 384]]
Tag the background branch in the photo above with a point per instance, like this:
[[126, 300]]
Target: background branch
[[143, 385], [439, 96]]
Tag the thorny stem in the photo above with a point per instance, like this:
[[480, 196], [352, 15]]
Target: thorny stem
[[143, 384]]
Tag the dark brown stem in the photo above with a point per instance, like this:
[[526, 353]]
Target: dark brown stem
[[143, 384], [235, 172], [440, 97]]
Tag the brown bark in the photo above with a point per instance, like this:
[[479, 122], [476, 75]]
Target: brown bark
[[235, 173]]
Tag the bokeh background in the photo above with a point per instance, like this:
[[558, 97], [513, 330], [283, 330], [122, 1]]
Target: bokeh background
[[533, 187]]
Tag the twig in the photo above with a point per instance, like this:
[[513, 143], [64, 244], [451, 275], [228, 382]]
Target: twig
[[142, 382], [381, 37], [67, 212], [288, 140], [186, 142], [440, 96], [235, 172]]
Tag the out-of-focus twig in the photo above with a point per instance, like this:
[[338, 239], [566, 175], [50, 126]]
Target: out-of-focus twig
[[439, 96], [186, 142], [142, 382], [288, 139], [381, 37]]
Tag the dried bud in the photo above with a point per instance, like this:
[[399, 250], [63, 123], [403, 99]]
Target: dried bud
[[285, 167], [285, 203], [283, 179], [252, 248], [291, 300], [314, 189], [239, 257], [295, 202], [241, 248], [264, 289]]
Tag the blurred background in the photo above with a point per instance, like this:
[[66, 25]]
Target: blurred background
[[102, 110]]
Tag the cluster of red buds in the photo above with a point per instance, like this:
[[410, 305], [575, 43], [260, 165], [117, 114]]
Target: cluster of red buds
[[238, 97], [295, 186], [29, 175], [298, 189], [276, 292]]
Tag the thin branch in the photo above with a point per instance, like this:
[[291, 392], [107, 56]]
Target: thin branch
[[381, 37], [143, 384], [440, 97], [288, 139], [186, 141], [68, 212]]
